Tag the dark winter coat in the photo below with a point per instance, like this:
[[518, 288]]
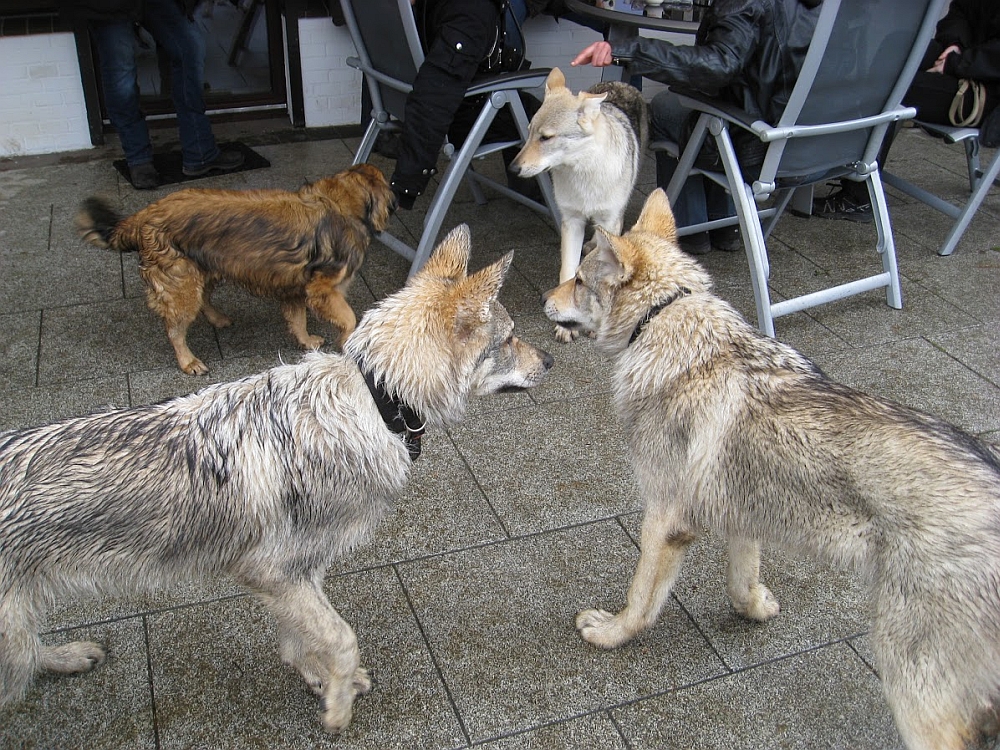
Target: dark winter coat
[[973, 25], [746, 52]]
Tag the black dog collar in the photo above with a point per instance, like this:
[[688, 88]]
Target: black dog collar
[[656, 310], [397, 416]]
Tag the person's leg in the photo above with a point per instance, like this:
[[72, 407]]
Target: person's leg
[[462, 34], [115, 41], [184, 44], [667, 117]]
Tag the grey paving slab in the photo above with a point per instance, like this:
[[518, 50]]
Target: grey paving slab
[[19, 339], [551, 466], [109, 707], [442, 509], [594, 730], [920, 375], [825, 699], [26, 407], [219, 682], [111, 338], [499, 621]]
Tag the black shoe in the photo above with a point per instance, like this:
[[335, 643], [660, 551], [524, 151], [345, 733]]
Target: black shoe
[[226, 161], [839, 205], [726, 239], [696, 244], [145, 176]]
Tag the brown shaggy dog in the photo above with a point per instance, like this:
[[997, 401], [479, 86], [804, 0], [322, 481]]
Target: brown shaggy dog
[[300, 248]]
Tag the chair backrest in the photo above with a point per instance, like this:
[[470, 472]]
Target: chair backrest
[[385, 36], [863, 55]]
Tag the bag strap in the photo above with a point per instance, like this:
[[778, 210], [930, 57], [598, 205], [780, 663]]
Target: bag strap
[[955, 113]]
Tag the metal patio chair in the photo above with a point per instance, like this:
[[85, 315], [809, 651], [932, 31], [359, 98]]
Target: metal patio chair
[[980, 181], [389, 54], [859, 64]]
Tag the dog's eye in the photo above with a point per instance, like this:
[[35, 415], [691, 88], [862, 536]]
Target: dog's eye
[[544, 138]]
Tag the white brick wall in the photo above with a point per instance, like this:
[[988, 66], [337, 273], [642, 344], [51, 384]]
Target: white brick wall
[[331, 90], [41, 96]]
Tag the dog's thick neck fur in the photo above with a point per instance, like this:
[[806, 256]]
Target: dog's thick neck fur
[[407, 341]]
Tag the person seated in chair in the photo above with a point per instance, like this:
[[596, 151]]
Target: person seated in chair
[[457, 35], [966, 46], [747, 53]]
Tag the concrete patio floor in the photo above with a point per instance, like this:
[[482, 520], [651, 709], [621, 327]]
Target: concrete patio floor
[[464, 600]]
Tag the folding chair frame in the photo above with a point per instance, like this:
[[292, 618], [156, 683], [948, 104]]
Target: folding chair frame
[[717, 118], [980, 182], [498, 92]]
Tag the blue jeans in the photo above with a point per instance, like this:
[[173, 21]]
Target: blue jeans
[[184, 45], [699, 200]]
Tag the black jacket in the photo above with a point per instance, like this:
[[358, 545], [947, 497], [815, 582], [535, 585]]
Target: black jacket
[[974, 25], [746, 52]]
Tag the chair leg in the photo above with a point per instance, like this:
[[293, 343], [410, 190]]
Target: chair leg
[[449, 186], [886, 244], [367, 143], [971, 206]]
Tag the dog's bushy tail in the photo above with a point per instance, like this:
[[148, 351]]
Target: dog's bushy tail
[[97, 221]]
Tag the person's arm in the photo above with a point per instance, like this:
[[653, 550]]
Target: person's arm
[[721, 52]]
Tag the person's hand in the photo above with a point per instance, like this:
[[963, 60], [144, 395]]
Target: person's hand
[[938, 66], [597, 54]]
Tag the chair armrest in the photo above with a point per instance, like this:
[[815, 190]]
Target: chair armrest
[[518, 79], [702, 102]]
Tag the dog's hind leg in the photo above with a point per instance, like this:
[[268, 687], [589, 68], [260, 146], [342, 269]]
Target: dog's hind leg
[[325, 298], [665, 540], [749, 596], [212, 315], [175, 293], [318, 643], [295, 316]]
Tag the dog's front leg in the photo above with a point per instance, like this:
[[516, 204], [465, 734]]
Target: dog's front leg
[[664, 542], [317, 642], [749, 596], [573, 230]]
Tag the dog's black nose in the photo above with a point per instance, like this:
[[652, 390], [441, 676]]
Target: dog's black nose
[[548, 360]]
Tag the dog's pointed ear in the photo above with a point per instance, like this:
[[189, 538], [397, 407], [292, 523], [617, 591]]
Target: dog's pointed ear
[[450, 259], [589, 109], [478, 292], [555, 80], [611, 255], [656, 216]]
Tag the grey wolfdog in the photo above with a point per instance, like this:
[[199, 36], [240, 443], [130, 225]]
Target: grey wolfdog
[[733, 431], [591, 144], [266, 479]]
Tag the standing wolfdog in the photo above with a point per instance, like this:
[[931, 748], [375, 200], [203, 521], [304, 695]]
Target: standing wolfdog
[[266, 479], [591, 144], [737, 432]]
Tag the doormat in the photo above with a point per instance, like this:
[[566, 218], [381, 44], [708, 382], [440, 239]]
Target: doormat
[[170, 165]]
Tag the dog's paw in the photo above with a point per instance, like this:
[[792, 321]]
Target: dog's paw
[[195, 367], [600, 628], [312, 342], [362, 682], [760, 604], [69, 658], [336, 718], [565, 335]]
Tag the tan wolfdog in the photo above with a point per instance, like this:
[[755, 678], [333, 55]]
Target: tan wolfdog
[[734, 431], [591, 144], [266, 479]]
